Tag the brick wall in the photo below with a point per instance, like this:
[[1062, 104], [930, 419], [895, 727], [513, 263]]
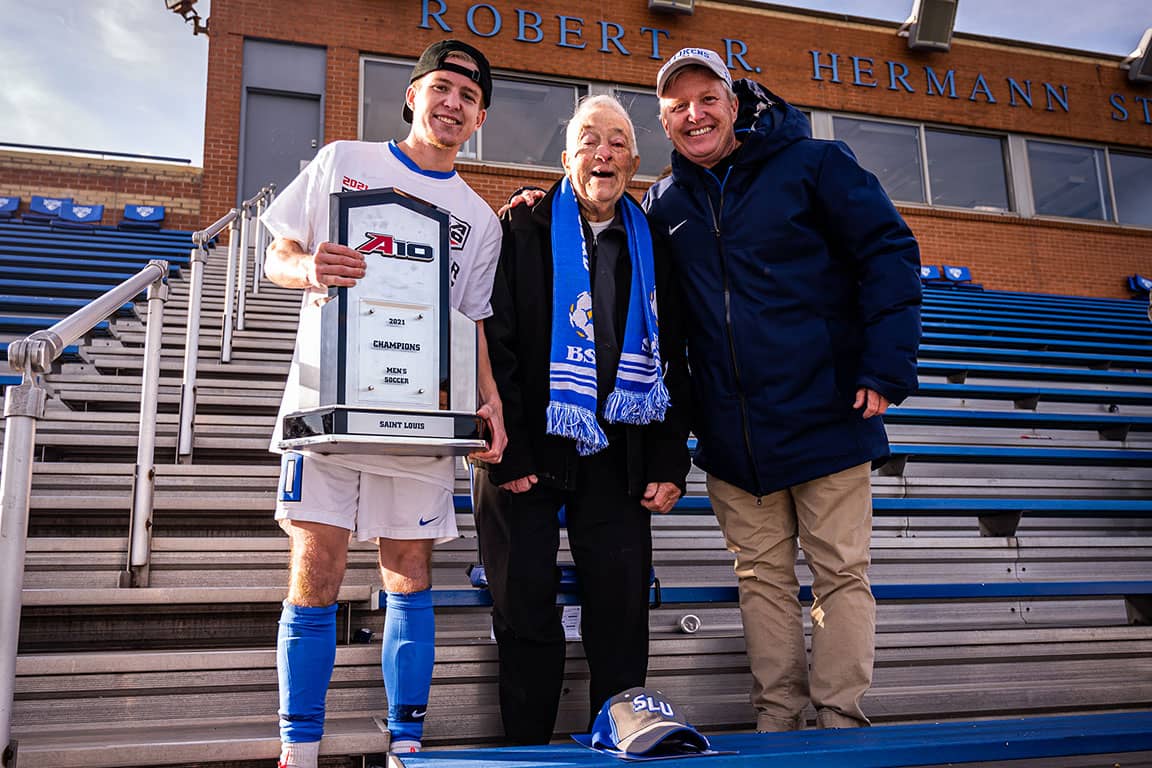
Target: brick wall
[[1003, 252], [111, 183]]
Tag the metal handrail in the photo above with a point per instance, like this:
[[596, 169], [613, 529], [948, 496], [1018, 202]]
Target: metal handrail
[[23, 407], [234, 304]]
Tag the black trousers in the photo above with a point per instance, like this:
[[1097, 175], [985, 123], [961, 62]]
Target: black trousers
[[609, 533]]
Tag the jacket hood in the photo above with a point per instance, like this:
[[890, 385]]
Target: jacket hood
[[765, 124]]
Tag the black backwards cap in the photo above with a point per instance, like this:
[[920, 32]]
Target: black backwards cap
[[643, 722], [434, 59]]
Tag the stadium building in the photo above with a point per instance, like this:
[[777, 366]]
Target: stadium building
[[1030, 164]]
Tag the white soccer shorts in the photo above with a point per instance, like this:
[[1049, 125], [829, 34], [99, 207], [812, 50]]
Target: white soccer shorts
[[371, 506]]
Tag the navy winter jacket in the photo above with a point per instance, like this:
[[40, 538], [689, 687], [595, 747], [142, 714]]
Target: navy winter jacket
[[801, 285]]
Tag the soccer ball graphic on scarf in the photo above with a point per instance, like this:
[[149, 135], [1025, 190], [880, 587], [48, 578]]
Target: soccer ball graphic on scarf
[[580, 316]]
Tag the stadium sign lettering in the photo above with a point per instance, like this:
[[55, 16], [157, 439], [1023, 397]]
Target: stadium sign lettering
[[528, 26], [605, 36], [865, 72]]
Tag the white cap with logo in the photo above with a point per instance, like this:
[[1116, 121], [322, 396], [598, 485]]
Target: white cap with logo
[[687, 57]]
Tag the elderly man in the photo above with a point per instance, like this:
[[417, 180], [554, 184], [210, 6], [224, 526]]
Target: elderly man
[[592, 386], [404, 503], [802, 301]]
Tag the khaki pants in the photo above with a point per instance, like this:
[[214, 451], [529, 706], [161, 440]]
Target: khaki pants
[[832, 517]]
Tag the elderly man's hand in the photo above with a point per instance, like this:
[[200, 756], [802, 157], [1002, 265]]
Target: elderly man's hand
[[873, 403], [527, 197], [520, 485], [660, 497], [493, 414]]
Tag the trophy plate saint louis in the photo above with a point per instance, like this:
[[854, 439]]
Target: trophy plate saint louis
[[397, 363]]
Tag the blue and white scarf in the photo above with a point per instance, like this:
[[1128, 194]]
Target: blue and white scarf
[[639, 396]]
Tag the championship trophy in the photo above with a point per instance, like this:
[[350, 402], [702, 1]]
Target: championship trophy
[[397, 363]]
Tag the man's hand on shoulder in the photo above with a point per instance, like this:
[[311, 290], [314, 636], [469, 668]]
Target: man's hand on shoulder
[[335, 265], [528, 196]]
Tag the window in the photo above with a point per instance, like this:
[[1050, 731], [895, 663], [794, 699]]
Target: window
[[967, 170], [1069, 180], [526, 126], [382, 100], [1132, 182], [889, 150], [527, 122], [651, 142]]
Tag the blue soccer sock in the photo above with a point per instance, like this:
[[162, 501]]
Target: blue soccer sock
[[407, 658], [305, 655]]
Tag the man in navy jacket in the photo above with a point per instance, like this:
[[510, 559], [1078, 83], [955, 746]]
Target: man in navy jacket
[[802, 310]]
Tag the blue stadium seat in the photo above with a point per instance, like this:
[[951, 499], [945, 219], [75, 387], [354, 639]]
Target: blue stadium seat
[[142, 217], [958, 277], [42, 210], [8, 207], [78, 216], [930, 275]]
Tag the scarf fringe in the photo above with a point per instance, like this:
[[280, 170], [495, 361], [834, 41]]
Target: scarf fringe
[[577, 423], [625, 407]]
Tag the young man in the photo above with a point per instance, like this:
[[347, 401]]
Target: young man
[[802, 303], [404, 503]]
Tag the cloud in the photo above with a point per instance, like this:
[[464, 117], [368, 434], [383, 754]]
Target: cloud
[[119, 75]]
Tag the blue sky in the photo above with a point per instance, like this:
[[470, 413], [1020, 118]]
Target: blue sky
[[129, 76]]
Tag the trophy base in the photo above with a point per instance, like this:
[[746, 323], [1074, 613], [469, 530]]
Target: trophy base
[[341, 429]]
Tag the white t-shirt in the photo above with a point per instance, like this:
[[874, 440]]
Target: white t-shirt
[[301, 213]]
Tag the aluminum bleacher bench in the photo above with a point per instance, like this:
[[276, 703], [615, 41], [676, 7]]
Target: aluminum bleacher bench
[[57, 245], [1099, 345], [66, 265], [958, 373], [1001, 516], [1028, 397], [886, 746], [995, 454], [44, 247], [101, 237], [39, 273], [70, 352], [51, 305], [1135, 592], [1109, 426], [1084, 335], [28, 324], [988, 354], [53, 288]]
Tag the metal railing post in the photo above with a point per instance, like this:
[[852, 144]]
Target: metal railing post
[[229, 293], [23, 406], [140, 542], [256, 256], [242, 268], [199, 257]]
